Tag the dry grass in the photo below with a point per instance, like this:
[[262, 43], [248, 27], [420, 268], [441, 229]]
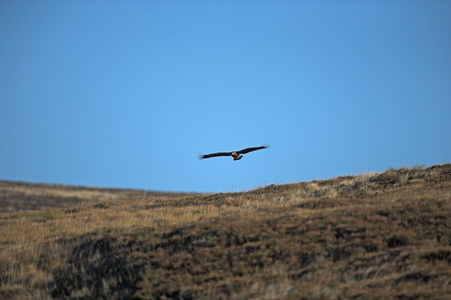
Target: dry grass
[[21, 196], [381, 236]]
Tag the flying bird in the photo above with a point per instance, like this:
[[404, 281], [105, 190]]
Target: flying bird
[[235, 154]]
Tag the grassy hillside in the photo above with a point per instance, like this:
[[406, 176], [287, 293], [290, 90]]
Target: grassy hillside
[[19, 196], [382, 236]]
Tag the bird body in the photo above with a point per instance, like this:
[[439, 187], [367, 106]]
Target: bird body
[[237, 155]]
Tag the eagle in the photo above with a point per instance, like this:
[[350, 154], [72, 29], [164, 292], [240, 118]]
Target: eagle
[[235, 154]]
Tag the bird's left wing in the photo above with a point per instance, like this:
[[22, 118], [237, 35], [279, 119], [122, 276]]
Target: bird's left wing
[[247, 150]]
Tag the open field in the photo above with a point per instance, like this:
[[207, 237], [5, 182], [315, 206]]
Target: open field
[[374, 236]]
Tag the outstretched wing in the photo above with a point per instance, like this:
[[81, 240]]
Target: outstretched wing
[[247, 150], [215, 154]]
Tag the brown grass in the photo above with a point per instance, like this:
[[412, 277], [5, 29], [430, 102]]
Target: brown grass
[[380, 236], [21, 196]]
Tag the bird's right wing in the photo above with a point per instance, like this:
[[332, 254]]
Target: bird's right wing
[[214, 155]]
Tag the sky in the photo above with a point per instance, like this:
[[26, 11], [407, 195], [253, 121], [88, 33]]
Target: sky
[[127, 94]]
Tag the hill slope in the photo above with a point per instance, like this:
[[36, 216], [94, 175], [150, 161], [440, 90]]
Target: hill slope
[[380, 236], [19, 196]]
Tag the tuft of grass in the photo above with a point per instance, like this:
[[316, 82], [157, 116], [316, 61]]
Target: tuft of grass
[[384, 235], [103, 204]]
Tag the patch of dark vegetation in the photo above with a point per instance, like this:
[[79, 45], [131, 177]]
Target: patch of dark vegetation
[[397, 241], [438, 255], [424, 277], [103, 204], [329, 203], [97, 267]]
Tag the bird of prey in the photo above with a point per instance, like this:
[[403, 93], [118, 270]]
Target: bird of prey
[[235, 154]]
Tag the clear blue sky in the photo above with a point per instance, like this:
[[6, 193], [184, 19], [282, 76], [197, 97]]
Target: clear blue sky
[[127, 93]]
